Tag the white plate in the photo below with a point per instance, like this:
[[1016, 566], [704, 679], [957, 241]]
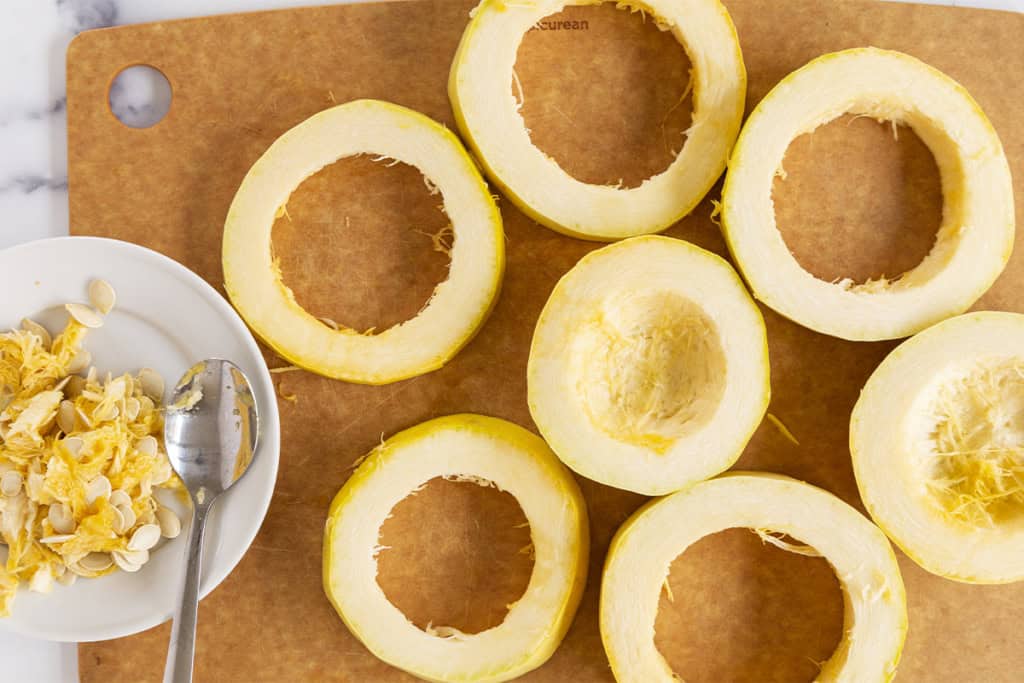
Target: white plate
[[166, 318]]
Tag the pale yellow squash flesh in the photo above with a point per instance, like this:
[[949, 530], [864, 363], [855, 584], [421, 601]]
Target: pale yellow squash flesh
[[648, 369], [459, 305], [937, 439], [488, 116], [475, 448], [974, 240], [643, 549]]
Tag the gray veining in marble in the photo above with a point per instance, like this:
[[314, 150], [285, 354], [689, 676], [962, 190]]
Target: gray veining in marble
[[33, 176], [82, 15]]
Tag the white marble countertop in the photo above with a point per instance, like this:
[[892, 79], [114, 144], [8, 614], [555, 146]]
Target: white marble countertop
[[33, 168]]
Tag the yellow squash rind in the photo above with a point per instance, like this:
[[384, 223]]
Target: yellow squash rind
[[892, 432], [974, 240], [460, 304], [516, 461], [488, 116], [643, 549], [644, 289]]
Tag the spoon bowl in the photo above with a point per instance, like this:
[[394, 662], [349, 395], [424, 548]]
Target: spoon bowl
[[210, 429]]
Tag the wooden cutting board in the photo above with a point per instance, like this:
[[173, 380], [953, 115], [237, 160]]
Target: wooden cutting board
[[603, 92]]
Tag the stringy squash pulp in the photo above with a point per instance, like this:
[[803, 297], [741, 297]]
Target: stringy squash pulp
[[938, 447], [649, 366], [80, 458]]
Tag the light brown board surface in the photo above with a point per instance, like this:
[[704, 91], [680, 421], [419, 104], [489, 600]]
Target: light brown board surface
[[599, 99]]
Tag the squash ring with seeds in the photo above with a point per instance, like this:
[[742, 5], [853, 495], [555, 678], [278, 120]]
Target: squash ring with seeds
[[937, 439]]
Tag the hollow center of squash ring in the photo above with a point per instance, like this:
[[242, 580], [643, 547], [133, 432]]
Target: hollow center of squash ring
[[652, 368], [623, 117], [974, 463], [455, 555], [874, 216], [363, 243], [765, 609]]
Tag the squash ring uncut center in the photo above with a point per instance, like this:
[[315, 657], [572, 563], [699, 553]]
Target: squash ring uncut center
[[476, 448], [643, 549], [459, 305], [488, 114], [976, 236], [947, 374], [607, 298]]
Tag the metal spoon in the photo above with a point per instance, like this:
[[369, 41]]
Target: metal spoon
[[210, 432]]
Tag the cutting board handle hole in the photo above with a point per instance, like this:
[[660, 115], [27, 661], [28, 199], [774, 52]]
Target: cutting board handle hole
[[140, 96]]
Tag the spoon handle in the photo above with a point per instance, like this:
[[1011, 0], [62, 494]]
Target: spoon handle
[[181, 651]]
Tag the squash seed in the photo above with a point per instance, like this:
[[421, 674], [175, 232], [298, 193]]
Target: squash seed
[[97, 488], [66, 416], [96, 562], [132, 407], [42, 581], [124, 518], [102, 296], [35, 328], [80, 362], [135, 556], [162, 473], [75, 386], [118, 523], [73, 446], [110, 412], [61, 519], [85, 315], [86, 420], [119, 497], [147, 516], [145, 537], [56, 538], [34, 485], [152, 383], [147, 445], [170, 525], [123, 564], [10, 483]]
